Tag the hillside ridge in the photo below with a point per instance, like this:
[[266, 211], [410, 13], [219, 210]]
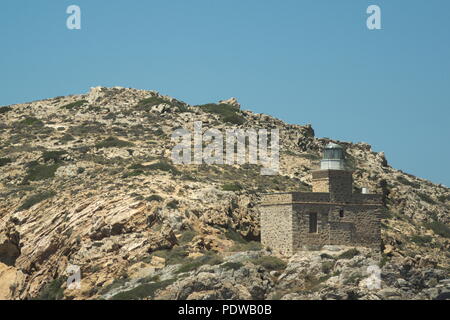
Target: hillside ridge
[[88, 180]]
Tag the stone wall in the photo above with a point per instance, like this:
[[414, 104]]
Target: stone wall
[[276, 223], [285, 221], [339, 183], [343, 218], [358, 225]]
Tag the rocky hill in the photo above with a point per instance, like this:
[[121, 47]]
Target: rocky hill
[[87, 180]]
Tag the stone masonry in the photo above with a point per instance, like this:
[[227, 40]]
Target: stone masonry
[[330, 215]]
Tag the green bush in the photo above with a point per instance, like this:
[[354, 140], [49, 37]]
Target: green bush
[[52, 291], [66, 138], [52, 155], [176, 255], [207, 259], [425, 197], [444, 198], [112, 142], [4, 110], [4, 161], [327, 266], [35, 199], [146, 290], [403, 180], [73, 105], [154, 197], [163, 166], [326, 256], [173, 204], [187, 236], [439, 228], [235, 236], [89, 128], [148, 103], [349, 254], [354, 278], [31, 122], [386, 214], [227, 113], [134, 173], [270, 263], [232, 265], [232, 187], [37, 172], [421, 240], [249, 246], [383, 261]]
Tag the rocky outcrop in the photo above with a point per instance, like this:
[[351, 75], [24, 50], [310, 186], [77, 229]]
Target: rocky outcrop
[[9, 244], [87, 180], [11, 282]]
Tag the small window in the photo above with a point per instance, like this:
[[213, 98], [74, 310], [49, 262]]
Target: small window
[[313, 223], [341, 213]]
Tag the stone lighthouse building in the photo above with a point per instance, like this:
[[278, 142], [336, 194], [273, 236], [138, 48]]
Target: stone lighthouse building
[[330, 215]]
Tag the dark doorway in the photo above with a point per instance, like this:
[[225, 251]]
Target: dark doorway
[[313, 222]]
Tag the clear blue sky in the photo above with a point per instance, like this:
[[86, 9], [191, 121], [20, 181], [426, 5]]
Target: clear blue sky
[[311, 61]]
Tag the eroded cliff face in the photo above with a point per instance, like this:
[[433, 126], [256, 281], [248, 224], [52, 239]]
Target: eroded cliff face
[[87, 180]]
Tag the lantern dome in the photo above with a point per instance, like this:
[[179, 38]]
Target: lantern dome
[[333, 157]]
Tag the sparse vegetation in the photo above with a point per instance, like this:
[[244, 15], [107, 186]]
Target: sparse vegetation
[[247, 246], [349, 254], [163, 166], [148, 103], [175, 255], [37, 172], [30, 122], [86, 129], [407, 182], [384, 260], [444, 198], [154, 197], [113, 142], [55, 156], [235, 236], [74, 105], [425, 197], [327, 266], [35, 199], [66, 138], [270, 263], [4, 110], [207, 259], [439, 228], [227, 113], [230, 265], [386, 214], [354, 278], [5, 161], [326, 256], [173, 204], [232, 187], [187, 236], [52, 291], [421, 240]]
